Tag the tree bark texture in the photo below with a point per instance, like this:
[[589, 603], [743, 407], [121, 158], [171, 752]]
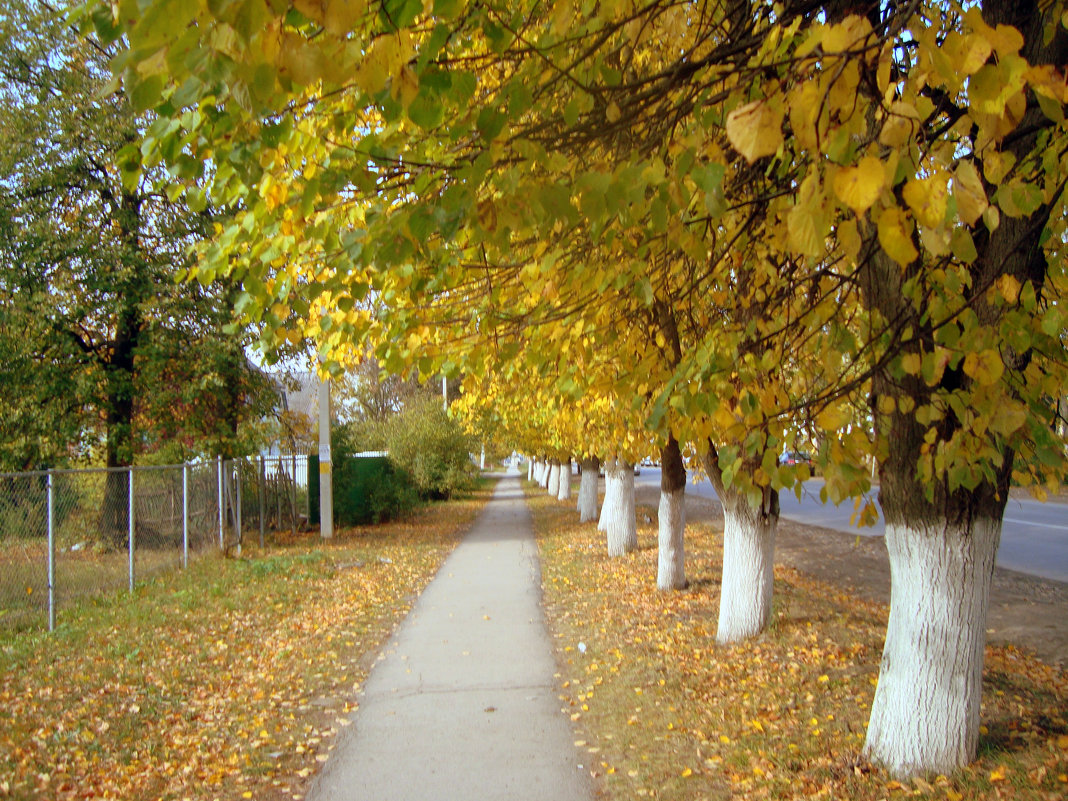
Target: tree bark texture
[[925, 716], [671, 519], [587, 494]]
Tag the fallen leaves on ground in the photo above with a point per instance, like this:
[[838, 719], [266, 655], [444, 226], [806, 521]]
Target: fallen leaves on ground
[[664, 712], [229, 680]]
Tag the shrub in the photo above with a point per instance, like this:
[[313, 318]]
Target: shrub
[[432, 448], [370, 490]]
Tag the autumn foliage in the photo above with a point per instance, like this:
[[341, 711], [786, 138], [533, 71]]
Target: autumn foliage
[[666, 713]]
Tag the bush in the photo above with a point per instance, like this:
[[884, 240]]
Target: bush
[[370, 490], [432, 448]]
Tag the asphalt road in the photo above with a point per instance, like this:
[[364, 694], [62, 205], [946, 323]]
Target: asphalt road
[[1034, 535]]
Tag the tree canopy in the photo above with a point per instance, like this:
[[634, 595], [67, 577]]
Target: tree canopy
[[742, 224]]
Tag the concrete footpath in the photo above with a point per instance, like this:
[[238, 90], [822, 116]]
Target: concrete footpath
[[463, 703]]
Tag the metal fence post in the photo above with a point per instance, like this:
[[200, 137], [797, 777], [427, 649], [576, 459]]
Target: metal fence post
[[238, 523], [185, 515], [51, 559], [131, 486], [219, 465], [262, 494]]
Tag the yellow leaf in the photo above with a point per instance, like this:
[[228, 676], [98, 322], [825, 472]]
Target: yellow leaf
[[755, 129], [341, 16], [612, 112], [901, 123], [998, 774], [846, 35], [1009, 288], [687, 773], [895, 236], [860, 186], [927, 198], [986, 367], [833, 418], [969, 193], [406, 86]]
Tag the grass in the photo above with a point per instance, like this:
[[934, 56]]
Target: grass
[[229, 680], [666, 713]]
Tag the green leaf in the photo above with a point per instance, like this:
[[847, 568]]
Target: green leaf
[[426, 110], [147, 93]]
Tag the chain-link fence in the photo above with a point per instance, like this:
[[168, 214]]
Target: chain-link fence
[[68, 534]]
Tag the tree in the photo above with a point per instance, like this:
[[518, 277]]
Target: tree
[[106, 345]]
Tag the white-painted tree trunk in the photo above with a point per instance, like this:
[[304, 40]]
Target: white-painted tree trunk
[[671, 518], [925, 716], [611, 486], [622, 526], [587, 494], [671, 563], [546, 470], [530, 470], [553, 486], [564, 484], [748, 569]]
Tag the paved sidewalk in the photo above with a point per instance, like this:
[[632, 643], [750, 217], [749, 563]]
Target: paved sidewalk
[[463, 703]]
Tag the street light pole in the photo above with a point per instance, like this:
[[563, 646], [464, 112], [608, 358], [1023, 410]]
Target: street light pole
[[326, 475]]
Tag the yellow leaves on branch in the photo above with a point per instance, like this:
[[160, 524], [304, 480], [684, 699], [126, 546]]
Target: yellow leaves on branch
[[895, 236], [755, 129], [927, 197], [860, 186]]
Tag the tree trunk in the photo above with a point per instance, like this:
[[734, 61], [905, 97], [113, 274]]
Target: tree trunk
[[118, 420], [942, 539], [587, 494], [530, 469], [622, 524], [611, 487], [925, 716], [748, 564], [671, 519], [553, 486], [564, 489], [748, 555]]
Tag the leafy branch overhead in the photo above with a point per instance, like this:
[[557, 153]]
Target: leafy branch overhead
[[733, 225]]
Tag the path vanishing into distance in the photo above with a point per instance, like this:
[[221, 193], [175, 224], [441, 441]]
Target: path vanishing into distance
[[463, 703]]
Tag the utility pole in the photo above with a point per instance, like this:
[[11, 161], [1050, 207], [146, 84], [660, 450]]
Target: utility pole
[[326, 475]]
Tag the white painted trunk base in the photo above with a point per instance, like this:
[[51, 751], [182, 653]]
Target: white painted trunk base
[[748, 572], [925, 716], [587, 495], [553, 486], [622, 525], [530, 470], [564, 483], [671, 564], [611, 487]]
